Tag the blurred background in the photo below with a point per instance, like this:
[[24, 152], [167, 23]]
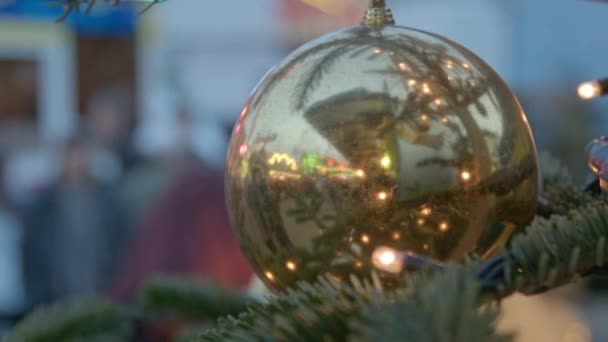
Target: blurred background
[[114, 126]]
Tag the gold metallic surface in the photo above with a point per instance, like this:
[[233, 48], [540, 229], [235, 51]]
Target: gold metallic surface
[[372, 137]]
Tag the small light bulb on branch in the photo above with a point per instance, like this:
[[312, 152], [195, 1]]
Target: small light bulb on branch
[[386, 259], [394, 261], [592, 89]]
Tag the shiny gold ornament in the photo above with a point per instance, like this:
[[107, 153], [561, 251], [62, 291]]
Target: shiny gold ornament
[[377, 136]]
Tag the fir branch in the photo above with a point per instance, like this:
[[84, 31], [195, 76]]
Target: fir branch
[[565, 197], [433, 306], [309, 312], [433, 312], [560, 249], [170, 296], [75, 320]]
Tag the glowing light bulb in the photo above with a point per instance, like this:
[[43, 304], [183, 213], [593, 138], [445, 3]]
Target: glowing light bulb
[[402, 66], [424, 117], [269, 275], [445, 120], [358, 264], [382, 196], [291, 265], [444, 226], [377, 51], [243, 149], [426, 211], [365, 238], [360, 173], [426, 246], [421, 222], [465, 65], [396, 236], [589, 90], [385, 162], [465, 176], [411, 83], [387, 259]]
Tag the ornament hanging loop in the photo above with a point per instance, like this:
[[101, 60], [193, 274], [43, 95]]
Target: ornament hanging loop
[[378, 14]]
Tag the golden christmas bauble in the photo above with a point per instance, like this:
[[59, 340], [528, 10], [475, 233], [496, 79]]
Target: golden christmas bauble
[[371, 137]]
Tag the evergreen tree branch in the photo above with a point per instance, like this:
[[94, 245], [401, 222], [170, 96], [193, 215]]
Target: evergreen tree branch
[[75, 320], [187, 299], [433, 312], [432, 306], [560, 249]]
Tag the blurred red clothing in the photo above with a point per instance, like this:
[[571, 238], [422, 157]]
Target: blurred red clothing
[[187, 232]]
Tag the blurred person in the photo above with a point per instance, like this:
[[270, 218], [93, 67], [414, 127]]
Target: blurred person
[[164, 149], [12, 290], [74, 232], [108, 122], [107, 127], [187, 230], [183, 227]]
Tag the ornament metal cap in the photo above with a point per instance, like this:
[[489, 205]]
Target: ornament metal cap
[[378, 14]]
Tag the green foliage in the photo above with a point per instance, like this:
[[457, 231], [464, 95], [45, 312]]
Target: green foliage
[[188, 299], [557, 250], [432, 311], [442, 306], [81, 320], [310, 312]]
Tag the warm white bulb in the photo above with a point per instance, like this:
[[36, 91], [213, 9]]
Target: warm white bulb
[[589, 90], [465, 176], [387, 259], [291, 265], [426, 211], [385, 162]]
